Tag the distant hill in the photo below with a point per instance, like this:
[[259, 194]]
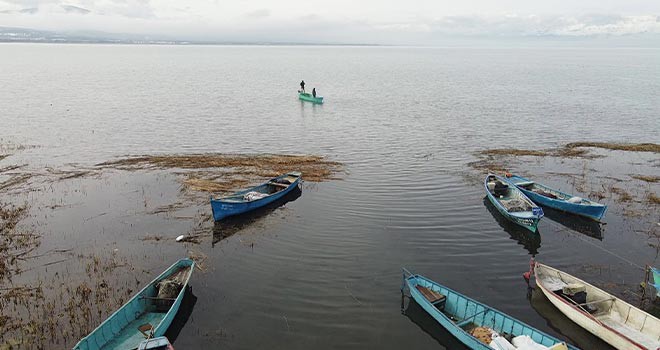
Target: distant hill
[[12, 34]]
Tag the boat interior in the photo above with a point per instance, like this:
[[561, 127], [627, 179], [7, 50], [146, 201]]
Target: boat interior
[[269, 188], [476, 318], [616, 314], [139, 318], [549, 192], [510, 198]]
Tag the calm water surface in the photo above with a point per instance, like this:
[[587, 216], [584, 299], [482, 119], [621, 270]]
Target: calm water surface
[[324, 272]]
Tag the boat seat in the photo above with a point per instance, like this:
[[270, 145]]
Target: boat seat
[[524, 183], [436, 299], [146, 329], [278, 185]]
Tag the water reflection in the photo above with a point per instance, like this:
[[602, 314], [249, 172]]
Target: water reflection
[[576, 223], [230, 225], [429, 325], [182, 316], [562, 324], [530, 240]]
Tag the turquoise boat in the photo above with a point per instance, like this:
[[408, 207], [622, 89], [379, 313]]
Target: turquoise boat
[[559, 200], [462, 317], [512, 203], [147, 315], [304, 96], [656, 280]]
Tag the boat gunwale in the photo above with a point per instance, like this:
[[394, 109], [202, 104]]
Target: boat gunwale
[[139, 294], [582, 312], [487, 308]]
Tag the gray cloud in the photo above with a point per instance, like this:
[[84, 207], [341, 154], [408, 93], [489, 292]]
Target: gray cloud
[[261, 13]]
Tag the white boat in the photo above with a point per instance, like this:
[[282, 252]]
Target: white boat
[[616, 322]]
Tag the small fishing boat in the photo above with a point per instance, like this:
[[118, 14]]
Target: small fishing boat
[[476, 325], [305, 96], [255, 197], [556, 199], [147, 315], [616, 322], [512, 202], [159, 343]]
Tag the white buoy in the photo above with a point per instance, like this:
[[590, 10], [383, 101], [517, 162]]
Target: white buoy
[[180, 238]]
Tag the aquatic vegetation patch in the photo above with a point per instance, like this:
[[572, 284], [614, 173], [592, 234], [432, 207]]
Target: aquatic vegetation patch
[[646, 178], [631, 147], [314, 168], [653, 198]]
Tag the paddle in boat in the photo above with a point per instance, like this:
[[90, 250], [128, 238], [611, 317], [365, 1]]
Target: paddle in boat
[[476, 325], [306, 96], [159, 343], [512, 202], [616, 322], [147, 315], [255, 197], [556, 199]]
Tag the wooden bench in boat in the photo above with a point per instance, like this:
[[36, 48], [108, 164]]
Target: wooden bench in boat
[[436, 299], [279, 184]]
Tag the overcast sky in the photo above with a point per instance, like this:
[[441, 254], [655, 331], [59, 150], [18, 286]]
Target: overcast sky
[[417, 22]]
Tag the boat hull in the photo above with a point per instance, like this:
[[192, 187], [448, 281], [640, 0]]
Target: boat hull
[[591, 323], [119, 331], [656, 280], [466, 309], [527, 221], [224, 208], [309, 98], [595, 212]]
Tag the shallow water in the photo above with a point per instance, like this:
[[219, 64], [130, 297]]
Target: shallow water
[[324, 270]]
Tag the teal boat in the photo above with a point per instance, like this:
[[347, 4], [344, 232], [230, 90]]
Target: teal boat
[[472, 322], [147, 315], [656, 280], [304, 96], [512, 203]]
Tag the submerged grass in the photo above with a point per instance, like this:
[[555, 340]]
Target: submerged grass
[[215, 172], [653, 198], [632, 147], [646, 178]]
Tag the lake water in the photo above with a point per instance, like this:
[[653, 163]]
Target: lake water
[[324, 271]]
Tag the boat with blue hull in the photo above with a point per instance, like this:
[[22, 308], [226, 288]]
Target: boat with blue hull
[[147, 315], [556, 199], [255, 197], [461, 316], [512, 203]]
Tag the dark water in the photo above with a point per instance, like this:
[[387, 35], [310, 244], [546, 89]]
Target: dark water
[[323, 271]]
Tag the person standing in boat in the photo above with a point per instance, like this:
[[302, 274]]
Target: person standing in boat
[[314, 92], [302, 86]]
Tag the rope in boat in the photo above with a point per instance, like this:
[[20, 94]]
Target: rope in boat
[[579, 236]]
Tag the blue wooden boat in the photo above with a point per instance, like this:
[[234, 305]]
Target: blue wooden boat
[[255, 197], [556, 199], [461, 315], [144, 316], [305, 96], [512, 202]]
